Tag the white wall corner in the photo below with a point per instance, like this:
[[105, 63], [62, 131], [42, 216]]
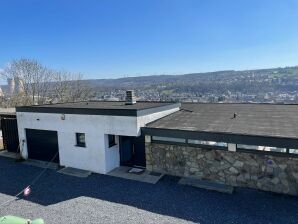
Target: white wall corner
[[232, 147], [147, 139]]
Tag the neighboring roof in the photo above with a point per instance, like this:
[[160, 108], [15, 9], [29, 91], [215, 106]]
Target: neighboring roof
[[118, 108], [252, 119], [8, 111]]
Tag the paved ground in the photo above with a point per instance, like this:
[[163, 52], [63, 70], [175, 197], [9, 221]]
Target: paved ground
[[60, 198]]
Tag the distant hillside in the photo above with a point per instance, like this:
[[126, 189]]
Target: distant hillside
[[260, 85], [195, 78], [222, 75]]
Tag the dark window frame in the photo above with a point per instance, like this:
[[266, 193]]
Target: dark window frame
[[186, 143], [207, 147], [79, 143], [112, 140]]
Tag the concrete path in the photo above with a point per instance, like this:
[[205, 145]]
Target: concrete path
[[12, 155], [75, 172], [146, 176]]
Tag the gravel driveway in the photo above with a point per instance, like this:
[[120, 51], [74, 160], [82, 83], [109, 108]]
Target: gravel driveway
[[59, 198]]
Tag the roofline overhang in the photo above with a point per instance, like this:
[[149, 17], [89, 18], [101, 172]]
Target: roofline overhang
[[93, 111], [281, 142]]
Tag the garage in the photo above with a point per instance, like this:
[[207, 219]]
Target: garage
[[42, 145]]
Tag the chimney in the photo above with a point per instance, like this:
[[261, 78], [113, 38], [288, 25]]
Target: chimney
[[130, 97]]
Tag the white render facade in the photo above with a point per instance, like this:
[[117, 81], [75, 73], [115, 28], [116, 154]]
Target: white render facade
[[96, 156]]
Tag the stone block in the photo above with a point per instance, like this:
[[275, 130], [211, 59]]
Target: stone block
[[284, 182], [209, 155], [200, 156], [283, 166], [275, 180], [295, 175], [269, 170], [238, 164], [231, 180], [233, 170], [229, 158], [240, 178]]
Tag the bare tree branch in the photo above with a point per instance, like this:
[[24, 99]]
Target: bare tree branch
[[38, 84]]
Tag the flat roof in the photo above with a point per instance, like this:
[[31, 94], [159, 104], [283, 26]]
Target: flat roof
[[272, 120], [117, 108]]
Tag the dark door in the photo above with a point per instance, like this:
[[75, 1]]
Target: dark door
[[126, 153], [139, 157], [42, 145], [132, 151], [10, 134]]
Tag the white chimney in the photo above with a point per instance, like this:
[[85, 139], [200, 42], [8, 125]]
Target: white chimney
[[130, 97]]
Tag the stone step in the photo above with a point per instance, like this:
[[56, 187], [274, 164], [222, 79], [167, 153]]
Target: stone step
[[75, 172], [206, 185], [41, 164], [11, 155]]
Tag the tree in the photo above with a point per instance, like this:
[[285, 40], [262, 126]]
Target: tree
[[70, 87], [32, 80], [37, 84]]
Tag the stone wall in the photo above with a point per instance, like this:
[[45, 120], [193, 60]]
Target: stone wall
[[265, 172]]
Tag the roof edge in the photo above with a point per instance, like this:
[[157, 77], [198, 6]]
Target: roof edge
[[237, 138], [98, 111]]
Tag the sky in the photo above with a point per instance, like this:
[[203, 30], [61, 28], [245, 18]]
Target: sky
[[117, 38]]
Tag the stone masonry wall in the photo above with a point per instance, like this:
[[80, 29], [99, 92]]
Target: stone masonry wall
[[264, 172]]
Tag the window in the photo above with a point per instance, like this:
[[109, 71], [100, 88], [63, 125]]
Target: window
[[112, 140], [253, 147], [168, 139], [295, 151], [81, 139], [262, 148], [210, 143]]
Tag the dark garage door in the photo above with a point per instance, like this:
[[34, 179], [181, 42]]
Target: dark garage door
[[42, 145]]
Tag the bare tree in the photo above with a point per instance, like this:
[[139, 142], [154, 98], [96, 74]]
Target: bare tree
[[40, 84], [61, 87], [70, 87], [33, 79], [78, 91]]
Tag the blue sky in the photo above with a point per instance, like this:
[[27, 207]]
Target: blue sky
[[116, 38]]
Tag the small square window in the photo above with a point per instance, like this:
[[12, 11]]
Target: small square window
[[112, 140], [81, 139]]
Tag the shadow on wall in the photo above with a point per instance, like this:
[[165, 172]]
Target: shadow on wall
[[166, 197]]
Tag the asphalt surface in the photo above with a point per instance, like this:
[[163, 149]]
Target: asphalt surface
[[59, 198]]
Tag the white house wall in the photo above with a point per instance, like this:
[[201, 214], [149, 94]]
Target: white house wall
[[143, 120], [96, 156], [112, 154]]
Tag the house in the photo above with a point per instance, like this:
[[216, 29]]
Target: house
[[250, 145], [94, 136]]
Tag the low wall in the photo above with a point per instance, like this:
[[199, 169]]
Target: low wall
[[264, 172]]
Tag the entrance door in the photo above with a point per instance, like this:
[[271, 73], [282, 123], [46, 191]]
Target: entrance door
[[126, 152], [139, 156], [42, 145], [132, 151]]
